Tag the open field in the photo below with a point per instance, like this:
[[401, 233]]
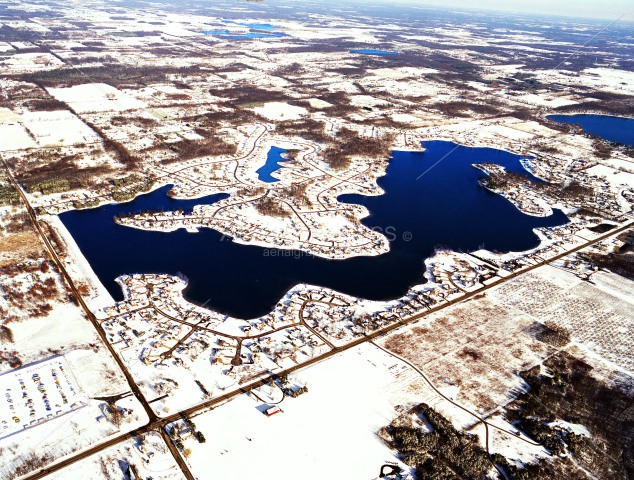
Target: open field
[[477, 347], [348, 399], [144, 455]]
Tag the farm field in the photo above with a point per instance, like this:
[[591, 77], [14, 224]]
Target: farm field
[[477, 347]]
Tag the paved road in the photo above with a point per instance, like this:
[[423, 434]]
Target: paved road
[[80, 301], [93, 319]]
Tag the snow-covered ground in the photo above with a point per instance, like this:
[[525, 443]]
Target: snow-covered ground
[[146, 455], [61, 339], [280, 111], [44, 129], [15, 137], [21, 62], [328, 432], [95, 97], [70, 427], [60, 127], [77, 264]]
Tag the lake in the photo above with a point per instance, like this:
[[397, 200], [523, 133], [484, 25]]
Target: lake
[[446, 206], [272, 164], [221, 32], [257, 26], [369, 51], [241, 36], [614, 129]]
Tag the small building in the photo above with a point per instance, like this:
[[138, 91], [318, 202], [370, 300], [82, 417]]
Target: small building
[[272, 411]]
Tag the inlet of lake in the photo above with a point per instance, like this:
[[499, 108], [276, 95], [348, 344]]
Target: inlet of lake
[[444, 207], [614, 129], [273, 163]]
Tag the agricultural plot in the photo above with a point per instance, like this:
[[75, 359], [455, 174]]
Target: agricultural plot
[[473, 349], [58, 128], [598, 318], [37, 393], [476, 348], [15, 137], [28, 62], [7, 116], [96, 97]]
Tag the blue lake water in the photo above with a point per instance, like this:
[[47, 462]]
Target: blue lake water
[[614, 129], [248, 35], [258, 35], [446, 206], [217, 32], [369, 51], [259, 26], [273, 159]]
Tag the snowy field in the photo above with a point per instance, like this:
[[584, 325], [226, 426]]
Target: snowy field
[[37, 393], [546, 101], [33, 129], [328, 432], [58, 128], [21, 62], [80, 268], [95, 97], [144, 457], [280, 111], [14, 137], [7, 116]]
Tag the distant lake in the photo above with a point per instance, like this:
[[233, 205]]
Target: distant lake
[[224, 33], [217, 32], [273, 159], [614, 129], [446, 206], [258, 35], [366, 51], [259, 26]]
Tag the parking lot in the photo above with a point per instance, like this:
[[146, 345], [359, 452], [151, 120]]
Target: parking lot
[[37, 393]]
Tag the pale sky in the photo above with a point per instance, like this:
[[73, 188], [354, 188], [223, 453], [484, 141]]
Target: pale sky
[[607, 9]]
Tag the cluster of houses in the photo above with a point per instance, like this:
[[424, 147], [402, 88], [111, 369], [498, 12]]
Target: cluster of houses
[[578, 264], [307, 223], [583, 263], [287, 347], [169, 342], [458, 269], [516, 190], [604, 198], [241, 221]]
